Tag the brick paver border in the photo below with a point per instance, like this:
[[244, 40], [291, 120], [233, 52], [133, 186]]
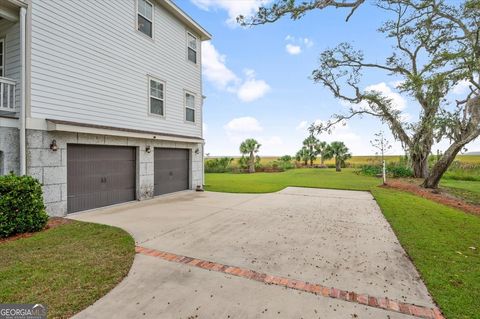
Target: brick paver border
[[329, 292]]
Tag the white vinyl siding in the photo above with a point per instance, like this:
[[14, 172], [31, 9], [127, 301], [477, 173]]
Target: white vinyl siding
[[83, 73], [189, 107]]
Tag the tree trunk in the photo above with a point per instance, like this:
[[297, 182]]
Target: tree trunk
[[311, 156], [251, 164], [446, 160], [338, 165], [305, 162], [419, 164], [322, 160]]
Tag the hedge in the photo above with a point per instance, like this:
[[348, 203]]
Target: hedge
[[21, 205]]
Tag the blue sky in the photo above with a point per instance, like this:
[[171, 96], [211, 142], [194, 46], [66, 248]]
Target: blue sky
[[257, 79]]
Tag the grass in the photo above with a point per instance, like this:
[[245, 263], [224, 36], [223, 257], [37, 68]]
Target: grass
[[468, 190], [66, 268], [436, 237], [272, 182]]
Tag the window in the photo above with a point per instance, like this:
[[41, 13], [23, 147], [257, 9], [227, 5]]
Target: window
[[192, 48], [145, 17], [189, 107], [157, 97], [2, 56]]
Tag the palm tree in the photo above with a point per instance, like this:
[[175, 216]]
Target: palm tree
[[303, 155], [250, 146], [340, 152], [311, 144], [322, 150]]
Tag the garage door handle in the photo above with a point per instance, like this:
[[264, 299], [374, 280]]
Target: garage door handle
[[171, 173]]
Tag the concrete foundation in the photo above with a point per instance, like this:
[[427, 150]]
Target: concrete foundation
[[9, 149]]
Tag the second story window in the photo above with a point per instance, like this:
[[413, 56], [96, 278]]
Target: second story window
[[192, 48], [189, 107], [145, 17], [157, 97]]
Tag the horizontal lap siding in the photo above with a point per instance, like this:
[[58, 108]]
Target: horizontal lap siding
[[90, 65]]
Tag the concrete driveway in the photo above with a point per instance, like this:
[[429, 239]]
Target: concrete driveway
[[291, 254]]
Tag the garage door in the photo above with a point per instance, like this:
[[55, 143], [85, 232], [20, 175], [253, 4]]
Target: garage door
[[99, 176], [171, 168]]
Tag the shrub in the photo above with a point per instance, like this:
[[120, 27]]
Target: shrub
[[218, 165], [285, 162], [21, 205], [243, 162], [393, 170]]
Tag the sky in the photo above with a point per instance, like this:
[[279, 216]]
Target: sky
[[257, 80]]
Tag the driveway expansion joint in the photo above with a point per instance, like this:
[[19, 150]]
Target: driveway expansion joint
[[317, 289]]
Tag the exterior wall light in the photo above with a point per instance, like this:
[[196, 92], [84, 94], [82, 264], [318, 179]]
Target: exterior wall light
[[148, 149], [53, 146], [197, 151]]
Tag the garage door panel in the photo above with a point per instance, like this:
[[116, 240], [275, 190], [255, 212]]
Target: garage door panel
[[171, 170], [99, 176]]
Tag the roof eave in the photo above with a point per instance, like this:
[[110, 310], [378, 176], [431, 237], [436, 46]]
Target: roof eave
[[171, 7]]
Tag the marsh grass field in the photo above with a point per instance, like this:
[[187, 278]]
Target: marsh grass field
[[465, 167], [368, 159]]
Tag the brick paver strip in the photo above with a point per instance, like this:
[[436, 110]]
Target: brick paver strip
[[363, 299]]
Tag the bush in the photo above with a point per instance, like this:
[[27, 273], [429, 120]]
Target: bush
[[393, 170], [21, 205], [218, 165], [285, 162]]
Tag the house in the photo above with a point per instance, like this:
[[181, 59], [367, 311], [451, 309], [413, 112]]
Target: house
[[101, 101]]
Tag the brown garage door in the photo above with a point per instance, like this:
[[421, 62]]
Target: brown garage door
[[171, 168], [99, 176]]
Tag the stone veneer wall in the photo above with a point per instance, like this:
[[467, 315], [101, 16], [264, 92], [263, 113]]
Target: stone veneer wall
[[9, 148], [50, 167]]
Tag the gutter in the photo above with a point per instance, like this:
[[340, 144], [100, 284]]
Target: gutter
[[23, 159]]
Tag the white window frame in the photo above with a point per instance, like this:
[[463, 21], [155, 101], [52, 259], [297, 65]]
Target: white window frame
[[188, 47], [187, 107], [137, 13], [2, 74], [151, 78]]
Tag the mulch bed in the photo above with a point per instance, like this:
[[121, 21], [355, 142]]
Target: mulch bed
[[51, 223], [434, 195]]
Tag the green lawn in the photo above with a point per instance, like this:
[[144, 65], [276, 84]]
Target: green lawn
[[66, 268], [437, 238], [468, 190]]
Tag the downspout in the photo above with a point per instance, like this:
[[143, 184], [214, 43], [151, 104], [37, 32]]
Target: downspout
[[23, 160]]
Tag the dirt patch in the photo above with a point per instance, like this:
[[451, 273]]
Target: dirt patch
[[436, 195], [51, 223]]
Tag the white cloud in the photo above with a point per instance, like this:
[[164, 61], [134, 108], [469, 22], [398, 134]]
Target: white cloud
[[216, 72], [214, 67], [245, 124], [295, 45], [308, 42], [252, 89], [398, 101], [233, 8], [293, 49]]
